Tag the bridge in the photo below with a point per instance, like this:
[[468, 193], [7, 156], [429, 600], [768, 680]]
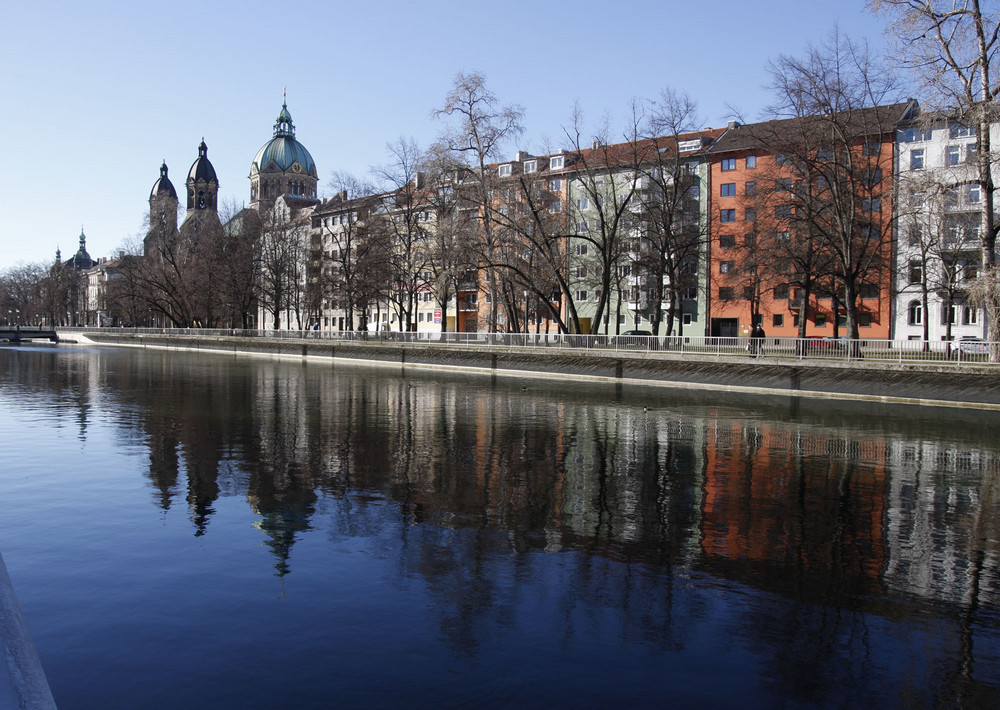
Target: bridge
[[17, 333]]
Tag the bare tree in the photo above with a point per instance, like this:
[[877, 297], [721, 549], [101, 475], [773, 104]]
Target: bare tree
[[453, 260], [281, 261], [837, 148], [952, 45], [22, 289], [346, 252], [674, 237], [403, 217], [604, 185], [480, 127]]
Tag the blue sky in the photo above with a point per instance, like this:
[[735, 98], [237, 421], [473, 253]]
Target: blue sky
[[97, 95]]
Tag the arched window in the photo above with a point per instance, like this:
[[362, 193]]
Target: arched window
[[915, 313]]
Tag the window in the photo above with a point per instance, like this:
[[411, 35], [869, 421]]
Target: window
[[727, 215], [872, 149], [916, 273], [970, 315], [728, 164], [873, 176], [871, 204], [581, 272], [556, 162], [727, 189], [783, 211], [750, 215], [750, 188], [778, 320], [911, 135], [727, 241], [948, 314], [781, 292], [581, 296], [581, 226], [780, 159], [917, 159], [915, 313], [751, 162], [727, 267], [820, 320], [953, 155], [581, 249], [783, 184], [726, 293], [555, 185], [972, 194], [783, 236], [583, 203], [505, 171], [959, 131], [555, 206], [530, 166]]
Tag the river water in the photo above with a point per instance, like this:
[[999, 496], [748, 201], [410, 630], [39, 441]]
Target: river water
[[206, 531]]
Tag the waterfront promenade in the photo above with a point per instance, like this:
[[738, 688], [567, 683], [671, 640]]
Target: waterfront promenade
[[933, 374]]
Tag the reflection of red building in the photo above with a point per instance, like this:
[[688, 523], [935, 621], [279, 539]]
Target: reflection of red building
[[766, 502], [781, 193]]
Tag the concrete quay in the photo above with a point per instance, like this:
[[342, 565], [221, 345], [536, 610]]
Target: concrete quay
[[22, 681], [918, 383]]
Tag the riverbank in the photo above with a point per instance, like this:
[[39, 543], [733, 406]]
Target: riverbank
[[926, 384]]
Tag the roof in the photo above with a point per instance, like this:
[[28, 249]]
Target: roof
[[283, 150], [877, 120], [163, 186], [202, 169]]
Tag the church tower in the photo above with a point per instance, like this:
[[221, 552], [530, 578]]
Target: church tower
[[163, 203], [282, 166], [202, 197], [202, 183]]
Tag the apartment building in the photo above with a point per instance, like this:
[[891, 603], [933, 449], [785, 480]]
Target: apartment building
[[938, 229], [801, 223]]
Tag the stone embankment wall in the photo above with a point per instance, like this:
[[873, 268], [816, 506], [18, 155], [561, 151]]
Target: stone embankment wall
[[919, 383]]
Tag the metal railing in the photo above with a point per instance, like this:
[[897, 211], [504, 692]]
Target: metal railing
[[956, 352]]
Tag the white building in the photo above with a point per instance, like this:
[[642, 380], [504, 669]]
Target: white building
[[938, 230]]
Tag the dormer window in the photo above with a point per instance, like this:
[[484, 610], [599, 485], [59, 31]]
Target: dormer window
[[530, 166], [557, 162], [505, 170]]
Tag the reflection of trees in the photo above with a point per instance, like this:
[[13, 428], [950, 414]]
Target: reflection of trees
[[492, 497]]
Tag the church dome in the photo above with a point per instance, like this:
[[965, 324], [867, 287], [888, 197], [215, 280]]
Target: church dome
[[201, 169], [283, 150], [163, 186], [81, 261]]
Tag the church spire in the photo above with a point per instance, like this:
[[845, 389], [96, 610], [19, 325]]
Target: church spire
[[283, 127]]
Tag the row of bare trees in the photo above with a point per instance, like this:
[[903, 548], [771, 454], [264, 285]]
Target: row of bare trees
[[622, 225]]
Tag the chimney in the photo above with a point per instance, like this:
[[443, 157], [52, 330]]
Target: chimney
[[734, 124]]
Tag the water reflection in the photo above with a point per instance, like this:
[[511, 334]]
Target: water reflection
[[858, 516]]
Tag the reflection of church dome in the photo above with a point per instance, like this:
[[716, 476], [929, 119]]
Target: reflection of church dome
[[283, 150], [163, 186], [201, 169]]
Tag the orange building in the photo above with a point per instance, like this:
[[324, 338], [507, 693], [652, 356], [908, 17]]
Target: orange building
[[801, 225]]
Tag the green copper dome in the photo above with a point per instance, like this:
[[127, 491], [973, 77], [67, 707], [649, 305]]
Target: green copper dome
[[283, 150]]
